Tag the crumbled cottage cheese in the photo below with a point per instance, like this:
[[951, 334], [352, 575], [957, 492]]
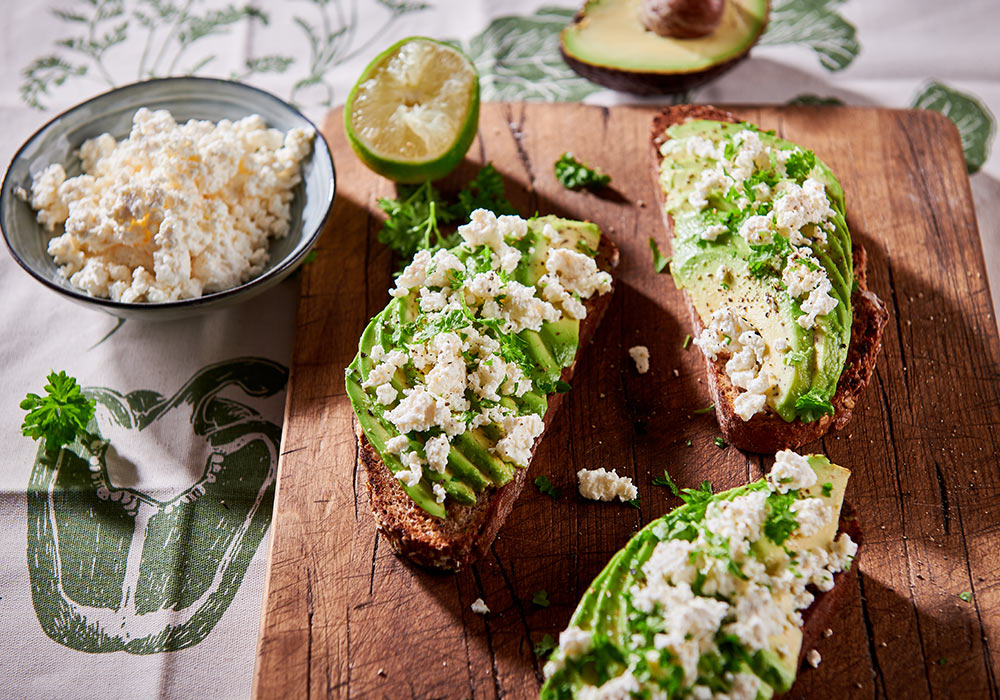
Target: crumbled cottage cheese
[[468, 380], [729, 334], [790, 472], [173, 211], [691, 592], [603, 485], [479, 607], [640, 356]]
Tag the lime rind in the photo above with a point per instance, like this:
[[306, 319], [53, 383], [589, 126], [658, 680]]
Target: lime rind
[[418, 168]]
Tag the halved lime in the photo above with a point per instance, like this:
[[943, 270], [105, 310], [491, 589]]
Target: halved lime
[[414, 111]]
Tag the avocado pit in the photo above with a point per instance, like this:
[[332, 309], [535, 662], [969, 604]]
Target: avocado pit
[[682, 19]]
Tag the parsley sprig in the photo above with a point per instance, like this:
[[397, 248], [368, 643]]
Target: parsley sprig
[[574, 175], [59, 416], [416, 217]]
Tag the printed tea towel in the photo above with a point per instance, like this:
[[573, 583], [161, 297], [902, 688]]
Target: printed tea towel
[[135, 567]]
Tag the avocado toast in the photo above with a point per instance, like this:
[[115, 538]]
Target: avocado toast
[[775, 286], [724, 594], [457, 378]]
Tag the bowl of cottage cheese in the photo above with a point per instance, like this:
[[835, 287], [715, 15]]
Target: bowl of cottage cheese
[[168, 197]]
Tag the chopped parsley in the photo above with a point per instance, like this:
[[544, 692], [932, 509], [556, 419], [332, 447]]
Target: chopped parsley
[[661, 262], [574, 175], [781, 522], [665, 480], [797, 357], [415, 218], [799, 165], [545, 647], [61, 415], [768, 259], [966, 596], [811, 405], [703, 411], [634, 503], [310, 257], [719, 442], [545, 486], [827, 489], [540, 598], [687, 341]]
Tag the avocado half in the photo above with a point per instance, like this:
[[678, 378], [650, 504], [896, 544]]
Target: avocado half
[[608, 44]]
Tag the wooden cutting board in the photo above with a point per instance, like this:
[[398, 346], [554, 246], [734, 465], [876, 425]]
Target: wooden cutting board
[[344, 617]]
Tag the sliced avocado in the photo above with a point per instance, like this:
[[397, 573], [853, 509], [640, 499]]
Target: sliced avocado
[[812, 361], [608, 44], [620, 635]]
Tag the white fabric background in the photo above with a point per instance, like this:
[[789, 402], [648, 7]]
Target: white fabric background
[[904, 44]]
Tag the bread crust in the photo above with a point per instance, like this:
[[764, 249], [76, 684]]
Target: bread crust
[[458, 540], [767, 432]]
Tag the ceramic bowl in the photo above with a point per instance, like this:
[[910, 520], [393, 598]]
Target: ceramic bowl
[[185, 98]]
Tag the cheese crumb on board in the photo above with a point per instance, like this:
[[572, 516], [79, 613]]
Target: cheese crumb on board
[[173, 211], [603, 485], [813, 658], [640, 356], [479, 607]]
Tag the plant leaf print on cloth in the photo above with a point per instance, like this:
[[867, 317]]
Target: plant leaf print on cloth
[[816, 24], [518, 59], [975, 123], [113, 567]]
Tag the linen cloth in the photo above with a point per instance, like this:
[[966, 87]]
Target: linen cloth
[[147, 580]]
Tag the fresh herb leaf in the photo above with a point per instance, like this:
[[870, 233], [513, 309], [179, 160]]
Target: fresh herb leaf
[[541, 598], [634, 503], [781, 522], [545, 647], [719, 442], [966, 596], [703, 411], [769, 258], [574, 175], [827, 489], [413, 221], [799, 165], [811, 405], [665, 480], [699, 496], [562, 387], [660, 262], [687, 341], [310, 257], [689, 443], [485, 191], [415, 218], [545, 486], [59, 416]]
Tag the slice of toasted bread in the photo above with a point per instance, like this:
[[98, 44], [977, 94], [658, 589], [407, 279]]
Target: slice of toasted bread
[[767, 432], [468, 531]]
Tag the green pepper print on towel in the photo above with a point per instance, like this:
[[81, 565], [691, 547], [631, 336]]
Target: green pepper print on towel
[[112, 568]]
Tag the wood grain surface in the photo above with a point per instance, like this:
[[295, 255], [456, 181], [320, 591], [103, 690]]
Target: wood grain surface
[[344, 617]]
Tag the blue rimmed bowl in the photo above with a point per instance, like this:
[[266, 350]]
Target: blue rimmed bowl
[[112, 112]]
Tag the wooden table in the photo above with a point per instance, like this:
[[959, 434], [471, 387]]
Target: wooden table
[[343, 616]]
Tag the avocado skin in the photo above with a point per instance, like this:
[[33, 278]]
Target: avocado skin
[[651, 82]]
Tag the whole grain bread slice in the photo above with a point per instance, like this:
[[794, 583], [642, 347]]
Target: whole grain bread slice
[[767, 432], [468, 531]]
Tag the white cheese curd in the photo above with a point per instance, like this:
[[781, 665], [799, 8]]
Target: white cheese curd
[[174, 210], [603, 485], [640, 356], [436, 449], [812, 514], [439, 493], [618, 688], [730, 334], [790, 471], [479, 605], [382, 372], [756, 230], [711, 181], [386, 394], [485, 229], [414, 468], [813, 658], [397, 444], [796, 207], [710, 233], [519, 437]]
